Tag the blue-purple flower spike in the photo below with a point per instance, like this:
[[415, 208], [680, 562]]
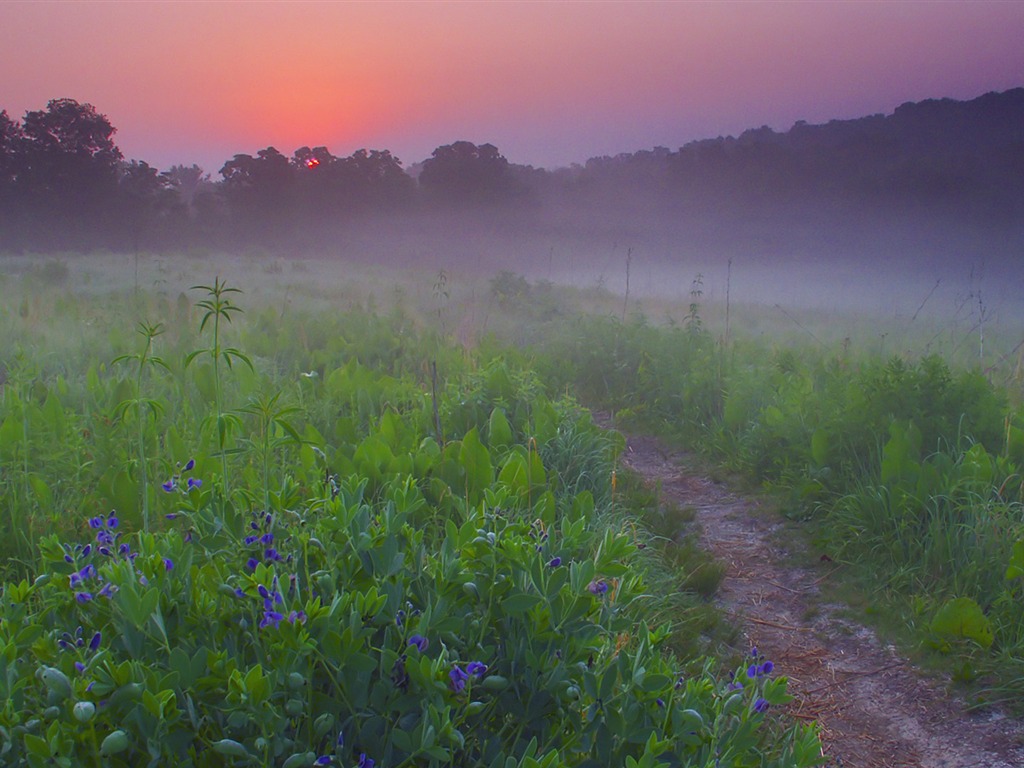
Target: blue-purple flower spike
[[420, 642]]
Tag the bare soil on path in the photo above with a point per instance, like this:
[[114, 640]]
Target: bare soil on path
[[874, 709]]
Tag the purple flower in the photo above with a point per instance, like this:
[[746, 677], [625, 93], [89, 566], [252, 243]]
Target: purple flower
[[95, 642], [169, 486], [554, 562], [753, 652], [297, 617], [753, 670], [79, 666], [458, 678], [476, 668], [364, 761], [168, 564], [660, 702], [271, 617], [272, 555], [420, 642], [767, 667], [83, 597], [112, 522], [108, 590], [736, 686], [190, 465], [323, 760], [95, 522], [266, 538], [597, 587], [760, 705], [194, 483], [239, 592], [251, 563]]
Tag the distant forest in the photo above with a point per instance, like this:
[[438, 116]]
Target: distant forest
[[65, 186]]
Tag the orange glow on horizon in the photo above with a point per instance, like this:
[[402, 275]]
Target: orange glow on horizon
[[561, 80]]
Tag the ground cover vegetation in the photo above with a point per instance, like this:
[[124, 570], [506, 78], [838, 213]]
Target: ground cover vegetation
[[905, 468], [242, 533]]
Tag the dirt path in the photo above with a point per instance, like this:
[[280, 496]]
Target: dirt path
[[874, 710]]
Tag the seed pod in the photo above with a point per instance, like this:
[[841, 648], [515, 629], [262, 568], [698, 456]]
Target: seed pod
[[296, 680], [83, 711], [56, 681], [293, 707], [230, 747], [300, 760], [116, 741], [475, 707], [495, 683], [51, 713]]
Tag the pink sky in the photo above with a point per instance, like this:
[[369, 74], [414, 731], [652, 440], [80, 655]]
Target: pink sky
[[550, 83]]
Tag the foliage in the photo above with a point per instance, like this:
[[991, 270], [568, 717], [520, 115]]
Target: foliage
[[360, 593]]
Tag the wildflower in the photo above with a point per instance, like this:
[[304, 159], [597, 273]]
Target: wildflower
[[112, 521], [323, 760], [364, 761], [458, 678], [171, 516], [597, 587], [194, 483], [168, 564], [736, 686], [170, 485], [554, 562], [83, 597], [190, 465], [108, 590], [753, 652], [760, 705], [660, 702], [680, 682], [420, 642], [767, 667], [95, 522], [95, 642], [753, 670], [271, 617], [297, 617], [251, 563], [476, 668], [79, 667]]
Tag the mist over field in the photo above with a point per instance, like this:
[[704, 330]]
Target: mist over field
[[917, 212]]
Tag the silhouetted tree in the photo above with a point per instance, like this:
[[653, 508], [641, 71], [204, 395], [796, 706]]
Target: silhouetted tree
[[146, 198], [67, 169], [259, 193], [466, 172]]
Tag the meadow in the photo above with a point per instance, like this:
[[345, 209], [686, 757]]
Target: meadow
[[288, 512]]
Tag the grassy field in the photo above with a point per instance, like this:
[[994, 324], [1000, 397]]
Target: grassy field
[[242, 490]]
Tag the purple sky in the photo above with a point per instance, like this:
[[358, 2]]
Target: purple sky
[[548, 83]]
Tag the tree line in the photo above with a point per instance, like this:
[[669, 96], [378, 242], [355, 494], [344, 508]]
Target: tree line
[[65, 185]]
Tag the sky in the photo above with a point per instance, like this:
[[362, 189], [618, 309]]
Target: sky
[[549, 83]]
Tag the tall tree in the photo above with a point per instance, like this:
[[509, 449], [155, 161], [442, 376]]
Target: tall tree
[[466, 172]]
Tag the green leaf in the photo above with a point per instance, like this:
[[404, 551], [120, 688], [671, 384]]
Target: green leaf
[[520, 603], [963, 618]]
